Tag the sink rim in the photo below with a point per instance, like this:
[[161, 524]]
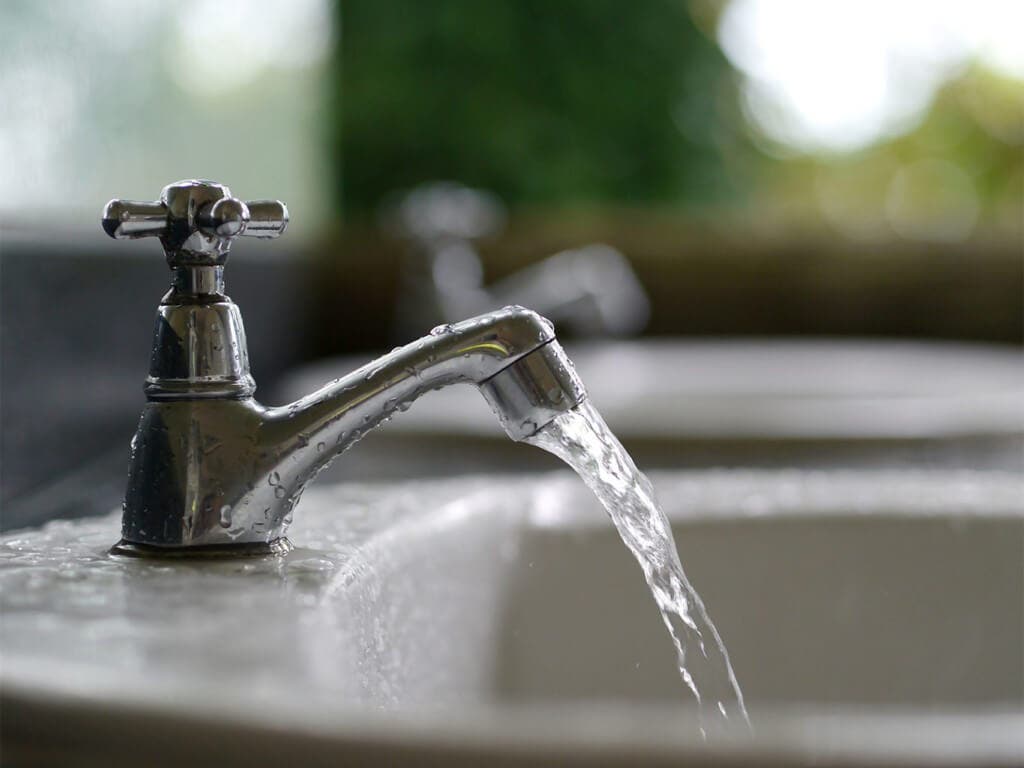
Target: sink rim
[[739, 494], [518, 734]]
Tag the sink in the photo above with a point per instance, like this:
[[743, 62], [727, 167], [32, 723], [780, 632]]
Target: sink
[[770, 402], [872, 617]]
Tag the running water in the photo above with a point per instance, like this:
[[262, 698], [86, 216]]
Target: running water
[[583, 441]]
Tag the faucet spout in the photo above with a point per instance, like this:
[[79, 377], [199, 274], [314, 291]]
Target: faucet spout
[[510, 354], [240, 494]]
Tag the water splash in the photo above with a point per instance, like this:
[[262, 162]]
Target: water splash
[[583, 441]]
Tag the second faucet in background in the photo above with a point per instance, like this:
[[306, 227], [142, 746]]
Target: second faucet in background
[[589, 291]]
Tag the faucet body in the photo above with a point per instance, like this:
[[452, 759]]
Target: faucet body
[[213, 471]]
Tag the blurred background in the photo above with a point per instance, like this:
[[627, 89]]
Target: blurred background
[[789, 170]]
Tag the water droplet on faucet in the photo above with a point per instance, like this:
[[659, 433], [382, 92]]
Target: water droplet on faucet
[[441, 330]]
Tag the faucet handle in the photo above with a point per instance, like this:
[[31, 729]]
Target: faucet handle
[[196, 221], [129, 219], [230, 217]]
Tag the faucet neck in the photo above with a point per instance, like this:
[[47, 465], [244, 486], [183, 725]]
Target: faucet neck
[[196, 284]]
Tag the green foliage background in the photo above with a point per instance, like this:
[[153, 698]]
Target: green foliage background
[[575, 101]]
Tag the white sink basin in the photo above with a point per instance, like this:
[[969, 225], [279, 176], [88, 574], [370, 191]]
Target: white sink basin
[[871, 617], [835, 593]]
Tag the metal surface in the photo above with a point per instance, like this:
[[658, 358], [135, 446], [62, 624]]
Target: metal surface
[[591, 290], [212, 468], [532, 391], [280, 546], [195, 220]]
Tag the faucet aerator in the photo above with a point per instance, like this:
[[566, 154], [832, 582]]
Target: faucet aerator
[[528, 394]]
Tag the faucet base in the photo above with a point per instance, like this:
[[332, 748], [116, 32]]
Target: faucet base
[[211, 551]]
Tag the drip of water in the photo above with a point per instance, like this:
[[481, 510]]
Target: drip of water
[[583, 441]]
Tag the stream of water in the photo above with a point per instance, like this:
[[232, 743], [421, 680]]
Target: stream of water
[[583, 441]]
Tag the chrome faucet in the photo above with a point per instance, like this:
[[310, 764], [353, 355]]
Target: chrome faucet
[[214, 472], [592, 290]]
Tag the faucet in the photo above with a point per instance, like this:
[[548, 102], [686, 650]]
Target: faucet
[[592, 289], [212, 471]]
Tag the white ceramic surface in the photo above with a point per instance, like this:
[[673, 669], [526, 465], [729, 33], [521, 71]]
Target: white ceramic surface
[[872, 617]]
